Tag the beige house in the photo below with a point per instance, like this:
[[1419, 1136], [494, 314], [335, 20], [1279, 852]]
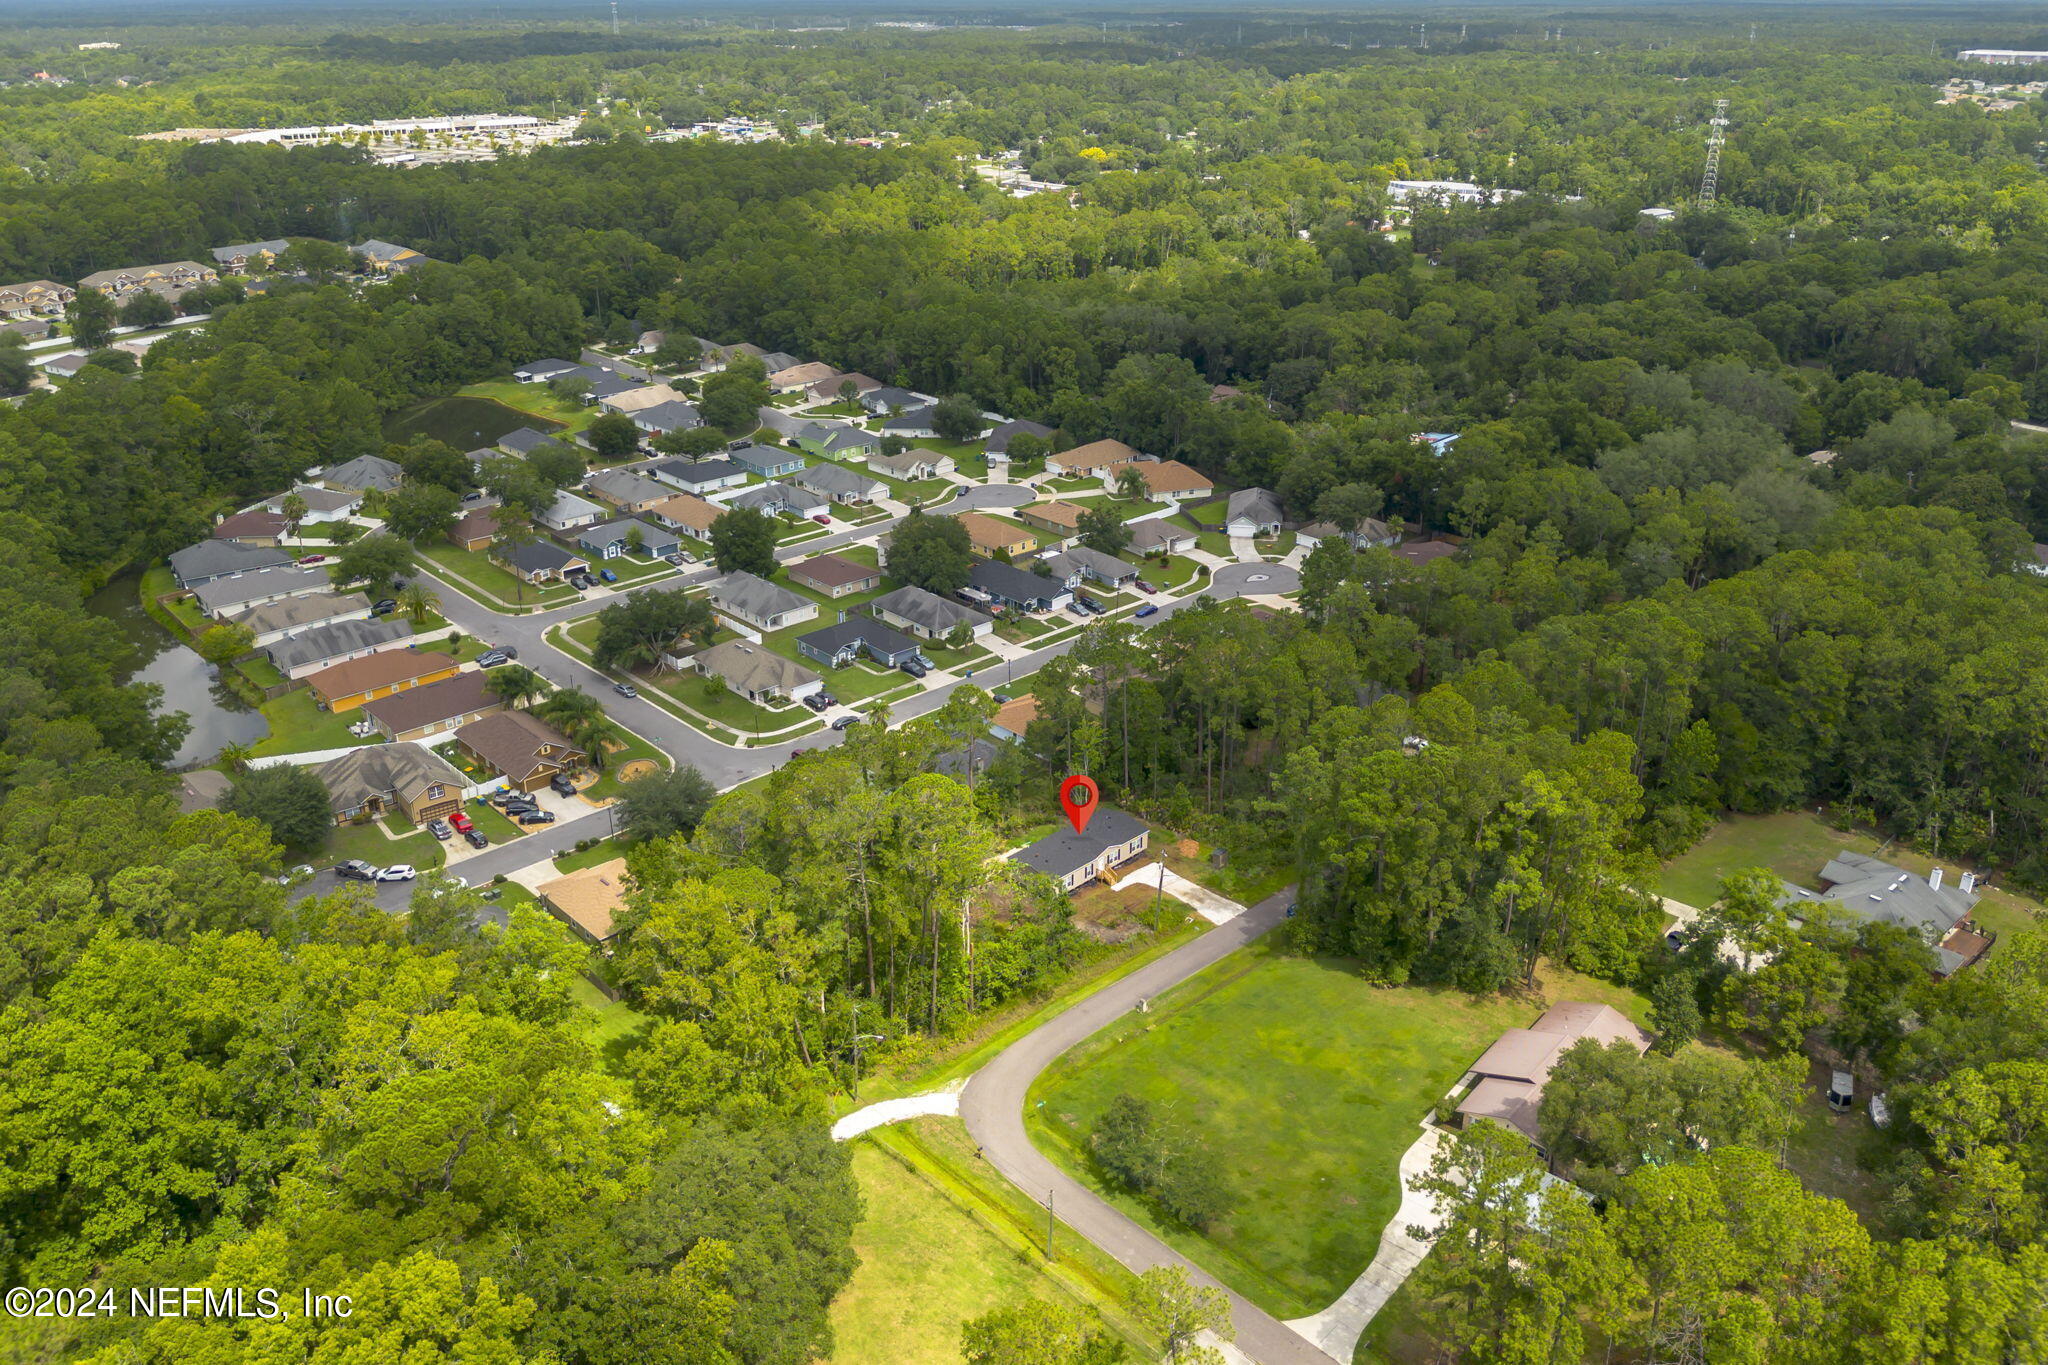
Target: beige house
[[588, 899], [989, 535], [377, 779], [34, 297], [171, 279], [633, 400], [1511, 1074], [1094, 460]]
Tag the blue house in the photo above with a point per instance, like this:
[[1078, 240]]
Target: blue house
[[769, 462], [610, 541], [841, 643]]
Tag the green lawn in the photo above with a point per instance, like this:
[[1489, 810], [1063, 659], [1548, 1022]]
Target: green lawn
[[1215, 542], [603, 851], [496, 826], [1207, 514], [1307, 1081], [926, 1266], [610, 1026], [1795, 845], [298, 725], [1176, 575], [634, 748], [535, 400], [1129, 511], [367, 842], [479, 569]]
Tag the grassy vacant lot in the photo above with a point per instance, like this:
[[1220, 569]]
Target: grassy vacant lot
[[1308, 1082], [367, 842], [925, 1268], [1795, 845], [298, 725], [480, 570], [536, 400]]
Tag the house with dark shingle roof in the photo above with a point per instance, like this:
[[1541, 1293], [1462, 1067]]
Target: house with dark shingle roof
[[211, 559], [272, 621], [1010, 586], [928, 615], [541, 561], [346, 686], [842, 642], [767, 461], [335, 642], [1069, 858], [759, 603], [253, 527], [229, 593], [999, 438], [839, 483], [523, 440], [613, 539], [364, 472], [625, 491], [1253, 512], [435, 708], [528, 752], [377, 778], [773, 498]]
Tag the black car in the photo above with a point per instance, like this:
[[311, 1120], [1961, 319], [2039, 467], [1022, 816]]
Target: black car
[[384, 607], [537, 817], [1089, 604], [561, 783], [476, 838], [493, 659], [508, 651], [355, 870], [515, 809], [913, 667], [846, 722], [816, 701]]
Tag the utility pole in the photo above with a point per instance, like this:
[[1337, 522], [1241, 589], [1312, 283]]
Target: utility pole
[[1048, 1225], [1710, 180]]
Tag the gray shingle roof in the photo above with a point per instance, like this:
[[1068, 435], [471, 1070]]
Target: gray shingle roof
[[541, 556], [837, 481], [753, 668], [1011, 583], [336, 638], [212, 558], [232, 590], [618, 486], [754, 597], [1062, 852], [927, 609], [1867, 888], [999, 439], [403, 770], [859, 629], [365, 471], [1260, 504]]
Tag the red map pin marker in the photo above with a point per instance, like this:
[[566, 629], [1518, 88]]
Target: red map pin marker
[[1079, 797]]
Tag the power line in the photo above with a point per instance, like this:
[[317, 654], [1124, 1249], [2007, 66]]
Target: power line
[[1716, 137]]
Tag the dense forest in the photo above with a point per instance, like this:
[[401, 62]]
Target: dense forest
[[1660, 610]]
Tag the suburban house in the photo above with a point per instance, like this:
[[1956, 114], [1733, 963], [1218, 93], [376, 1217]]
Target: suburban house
[[1371, 531], [842, 642], [65, 366], [541, 561], [759, 603], [527, 752], [639, 397], [698, 476], [203, 789], [569, 512], [1013, 718], [319, 647], [755, 672], [1082, 562], [687, 515], [1425, 552], [253, 527], [1009, 586], [273, 621], [1111, 839], [1167, 480], [613, 539], [541, 371], [774, 361], [771, 498], [435, 708], [663, 418], [801, 376], [408, 779], [848, 443], [717, 357], [474, 530], [999, 439], [1253, 512], [627, 492], [1439, 442], [211, 559], [649, 342], [344, 687], [828, 390], [1155, 535], [915, 424], [1512, 1072], [588, 899], [1063, 519], [604, 386], [839, 483], [363, 473], [887, 398], [245, 256], [927, 615], [323, 505], [833, 576], [1861, 888], [989, 536], [766, 461], [913, 464], [1097, 459], [222, 597], [28, 329], [386, 258], [523, 441], [170, 279], [32, 297]]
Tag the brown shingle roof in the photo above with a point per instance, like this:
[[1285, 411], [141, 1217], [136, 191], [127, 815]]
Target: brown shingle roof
[[589, 897], [377, 670], [1016, 714], [987, 533], [255, 522], [832, 571], [1066, 515], [1095, 457], [444, 700], [687, 510], [1171, 476], [511, 742]]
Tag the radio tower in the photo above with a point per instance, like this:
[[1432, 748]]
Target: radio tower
[[1715, 139], [615, 18]]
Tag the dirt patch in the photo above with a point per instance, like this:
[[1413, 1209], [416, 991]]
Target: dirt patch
[[637, 769]]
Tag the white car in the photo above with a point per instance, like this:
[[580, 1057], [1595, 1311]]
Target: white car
[[397, 872]]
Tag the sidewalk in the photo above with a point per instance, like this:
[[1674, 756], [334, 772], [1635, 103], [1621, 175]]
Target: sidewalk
[[1204, 902]]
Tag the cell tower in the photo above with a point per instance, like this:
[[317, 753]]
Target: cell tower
[[615, 18], [1709, 181]]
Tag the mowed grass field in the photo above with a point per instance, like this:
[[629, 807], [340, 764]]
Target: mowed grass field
[[926, 1267], [1308, 1083]]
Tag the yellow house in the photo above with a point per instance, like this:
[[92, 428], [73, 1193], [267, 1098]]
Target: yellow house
[[988, 535]]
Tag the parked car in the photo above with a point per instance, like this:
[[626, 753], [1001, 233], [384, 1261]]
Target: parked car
[[913, 667], [1002, 696], [1148, 610], [476, 838], [473, 495], [356, 870], [314, 559], [495, 658], [798, 753], [1076, 609], [397, 872], [1089, 604], [563, 783], [440, 829], [384, 607], [626, 689], [509, 651], [1144, 586], [822, 519], [515, 809], [537, 817], [607, 575], [462, 822], [676, 559], [846, 722], [816, 701]]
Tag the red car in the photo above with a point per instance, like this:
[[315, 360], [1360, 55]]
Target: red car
[[462, 822], [822, 520], [314, 559]]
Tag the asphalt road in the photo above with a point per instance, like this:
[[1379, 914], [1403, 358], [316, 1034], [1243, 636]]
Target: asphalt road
[[992, 1106]]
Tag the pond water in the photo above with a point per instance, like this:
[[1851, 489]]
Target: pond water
[[465, 423], [218, 716]]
